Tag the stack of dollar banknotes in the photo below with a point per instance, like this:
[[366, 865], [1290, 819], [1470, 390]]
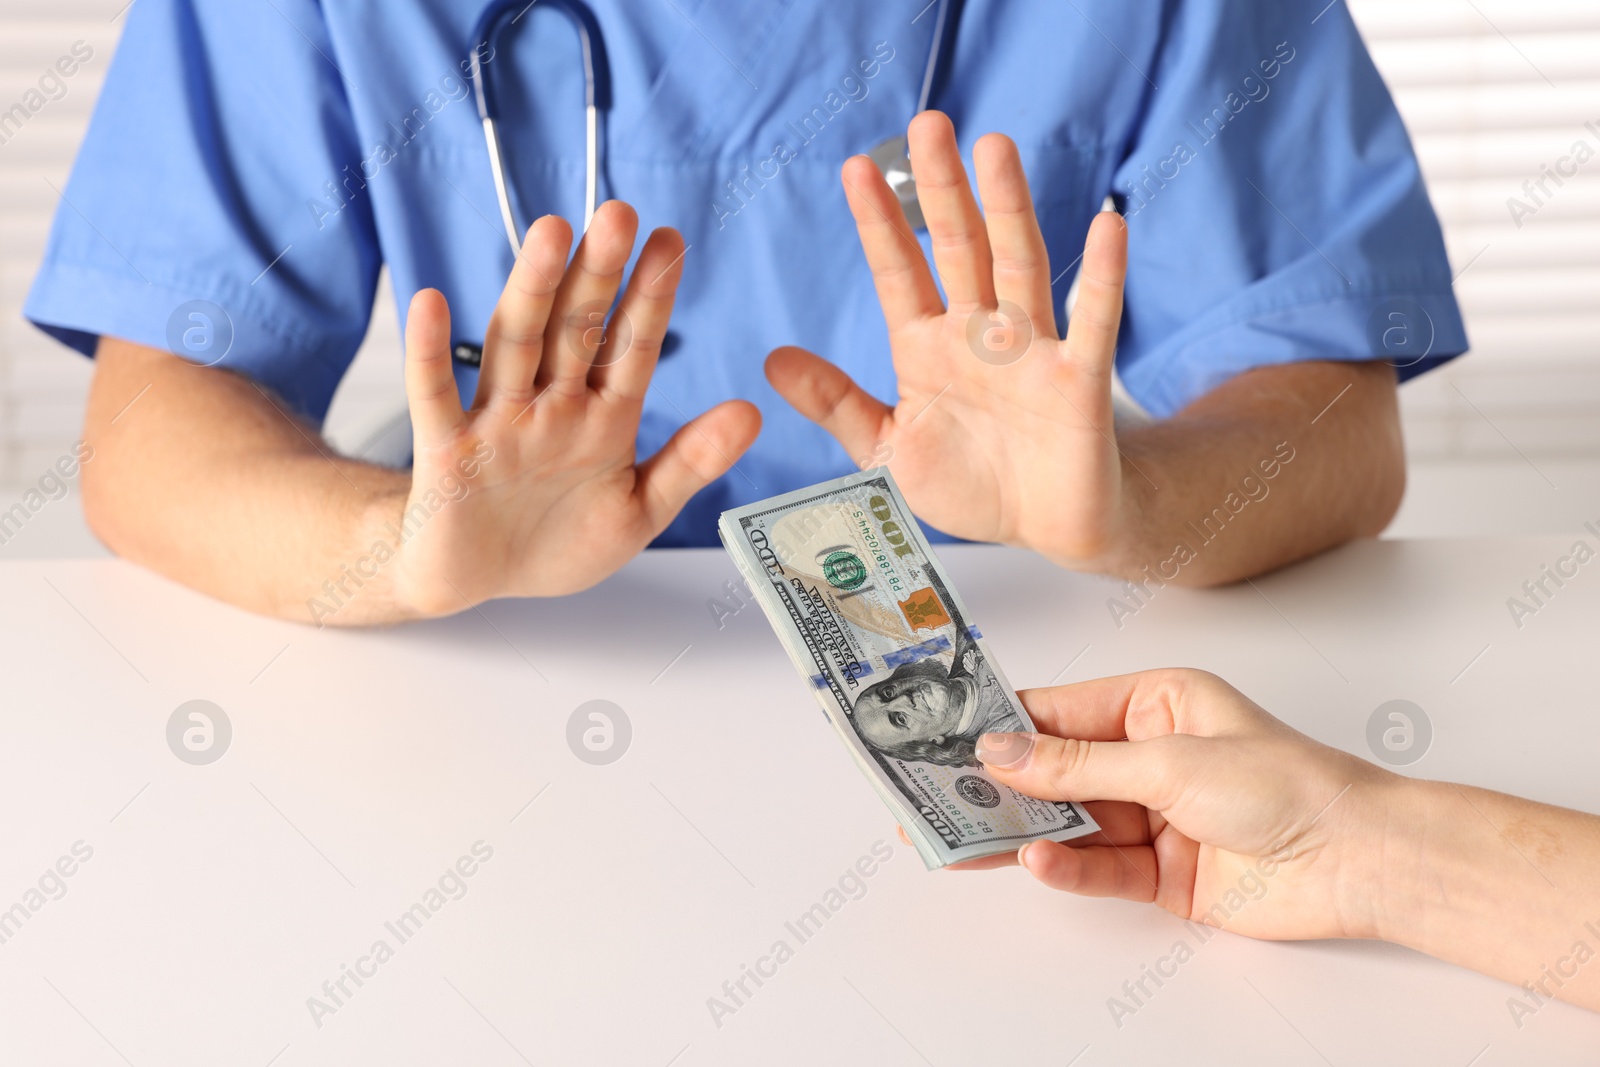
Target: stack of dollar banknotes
[[848, 581]]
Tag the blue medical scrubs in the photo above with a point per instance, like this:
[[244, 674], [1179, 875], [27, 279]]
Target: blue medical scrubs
[[268, 158]]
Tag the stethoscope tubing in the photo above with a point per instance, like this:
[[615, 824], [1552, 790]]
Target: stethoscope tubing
[[596, 98]]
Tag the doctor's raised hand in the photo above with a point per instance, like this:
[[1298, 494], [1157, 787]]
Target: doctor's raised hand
[[534, 490], [562, 503], [1003, 430]]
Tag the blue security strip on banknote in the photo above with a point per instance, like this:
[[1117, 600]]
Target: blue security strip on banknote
[[905, 655]]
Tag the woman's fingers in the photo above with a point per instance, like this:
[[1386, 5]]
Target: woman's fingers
[[1151, 773], [825, 394], [578, 320], [1096, 710], [960, 239], [1121, 825], [1094, 871], [1178, 860], [625, 361], [700, 452], [1021, 262], [513, 344], [986, 863], [430, 373], [1141, 706], [899, 270]]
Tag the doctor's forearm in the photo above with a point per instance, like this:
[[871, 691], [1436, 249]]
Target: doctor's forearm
[[1271, 467], [202, 476]]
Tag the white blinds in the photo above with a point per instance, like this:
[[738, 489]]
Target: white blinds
[[41, 387], [1492, 90], [1497, 93]]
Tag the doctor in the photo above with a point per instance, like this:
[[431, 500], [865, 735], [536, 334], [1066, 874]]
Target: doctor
[[250, 168]]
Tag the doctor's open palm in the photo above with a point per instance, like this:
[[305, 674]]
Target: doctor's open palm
[[1003, 431], [556, 500]]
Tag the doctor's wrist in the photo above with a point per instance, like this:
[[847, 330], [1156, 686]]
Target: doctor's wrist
[[366, 581], [1124, 546], [410, 586]]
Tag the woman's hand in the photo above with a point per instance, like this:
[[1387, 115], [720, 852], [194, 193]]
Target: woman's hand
[[1208, 805], [554, 500], [1223, 815]]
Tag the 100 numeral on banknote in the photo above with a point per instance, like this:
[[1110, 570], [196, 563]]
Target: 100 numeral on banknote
[[853, 589]]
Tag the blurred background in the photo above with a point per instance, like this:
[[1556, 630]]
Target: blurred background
[[1505, 440]]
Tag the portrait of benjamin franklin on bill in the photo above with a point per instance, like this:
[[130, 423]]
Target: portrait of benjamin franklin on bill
[[928, 713]]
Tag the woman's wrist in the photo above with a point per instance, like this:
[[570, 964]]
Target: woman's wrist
[[1496, 883], [1434, 883], [1393, 866], [1383, 871]]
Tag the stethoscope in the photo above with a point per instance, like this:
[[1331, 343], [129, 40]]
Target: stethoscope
[[596, 98], [890, 155]]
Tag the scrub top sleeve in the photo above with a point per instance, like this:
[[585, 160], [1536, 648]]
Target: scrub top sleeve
[[208, 211], [1275, 209]]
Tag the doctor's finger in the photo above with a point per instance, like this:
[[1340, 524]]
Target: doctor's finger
[[583, 303], [825, 394], [899, 269], [514, 342], [1097, 315], [624, 364], [960, 240], [431, 390], [702, 450], [1021, 262]]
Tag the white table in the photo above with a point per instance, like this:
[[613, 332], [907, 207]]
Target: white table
[[619, 898]]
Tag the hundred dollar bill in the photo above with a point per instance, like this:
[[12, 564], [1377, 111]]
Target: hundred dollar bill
[[883, 641]]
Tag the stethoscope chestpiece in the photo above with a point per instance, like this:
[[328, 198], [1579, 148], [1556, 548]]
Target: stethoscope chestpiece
[[895, 162], [891, 155]]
